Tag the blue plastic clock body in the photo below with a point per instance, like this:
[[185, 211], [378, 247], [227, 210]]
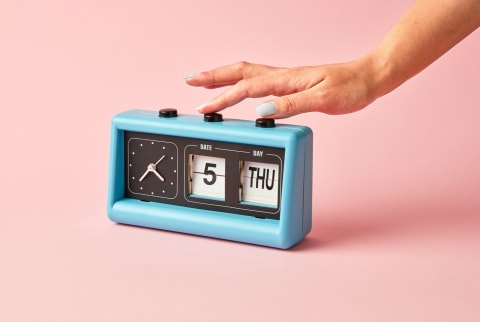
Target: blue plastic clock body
[[295, 202]]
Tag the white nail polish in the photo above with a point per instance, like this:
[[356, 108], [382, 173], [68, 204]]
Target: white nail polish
[[190, 75], [199, 109], [266, 109]]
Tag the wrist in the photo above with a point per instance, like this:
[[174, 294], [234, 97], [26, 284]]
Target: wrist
[[380, 75]]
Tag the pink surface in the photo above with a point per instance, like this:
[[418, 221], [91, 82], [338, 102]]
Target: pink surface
[[396, 213]]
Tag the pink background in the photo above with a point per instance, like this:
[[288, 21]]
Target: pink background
[[396, 210]]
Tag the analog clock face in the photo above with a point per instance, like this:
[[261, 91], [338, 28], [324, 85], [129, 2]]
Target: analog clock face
[[152, 167]]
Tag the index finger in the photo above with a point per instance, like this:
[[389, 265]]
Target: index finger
[[229, 74]]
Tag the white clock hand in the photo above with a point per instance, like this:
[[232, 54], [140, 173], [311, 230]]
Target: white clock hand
[[152, 168], [144, 175], [158, 174], [159, 160]]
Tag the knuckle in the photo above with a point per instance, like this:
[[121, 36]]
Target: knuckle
[[289, 105], [245, 87], [242, 67], [241, 64]]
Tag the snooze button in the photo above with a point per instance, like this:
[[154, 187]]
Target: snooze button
[[265, 122], [167, 113], [213, 117]]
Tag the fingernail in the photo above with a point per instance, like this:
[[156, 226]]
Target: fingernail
[[200, 108], [266, 109], [190, 75]]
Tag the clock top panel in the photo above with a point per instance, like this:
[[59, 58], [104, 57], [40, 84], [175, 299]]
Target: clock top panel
[[194, 126]]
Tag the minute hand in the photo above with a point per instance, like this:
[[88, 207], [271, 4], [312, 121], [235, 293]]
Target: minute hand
[[159, 160], [144, 175]]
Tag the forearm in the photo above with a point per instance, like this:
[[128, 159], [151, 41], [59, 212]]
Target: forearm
[[428, 30]]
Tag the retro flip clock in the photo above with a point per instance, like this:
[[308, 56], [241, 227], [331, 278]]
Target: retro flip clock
[[246, 181]]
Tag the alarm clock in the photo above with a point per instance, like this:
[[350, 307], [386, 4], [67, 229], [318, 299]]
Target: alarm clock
[[239, 180]]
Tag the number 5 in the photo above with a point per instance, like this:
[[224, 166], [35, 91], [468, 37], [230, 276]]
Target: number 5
[[208, 172]]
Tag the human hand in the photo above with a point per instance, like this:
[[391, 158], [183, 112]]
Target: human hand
[[331, 89]]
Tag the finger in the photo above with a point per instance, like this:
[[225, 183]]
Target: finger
[[228, 75], [290, 105], [271, 84]]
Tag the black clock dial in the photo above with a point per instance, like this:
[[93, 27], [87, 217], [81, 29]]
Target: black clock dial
[[152, 167]]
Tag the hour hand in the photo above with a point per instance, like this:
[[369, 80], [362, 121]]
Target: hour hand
[[158, 175]]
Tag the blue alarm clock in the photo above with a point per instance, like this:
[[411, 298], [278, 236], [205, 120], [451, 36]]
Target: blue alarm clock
[[231, 179]]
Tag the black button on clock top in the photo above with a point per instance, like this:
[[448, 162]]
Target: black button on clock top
[[167, 112], [265, 122], [213, 117]]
